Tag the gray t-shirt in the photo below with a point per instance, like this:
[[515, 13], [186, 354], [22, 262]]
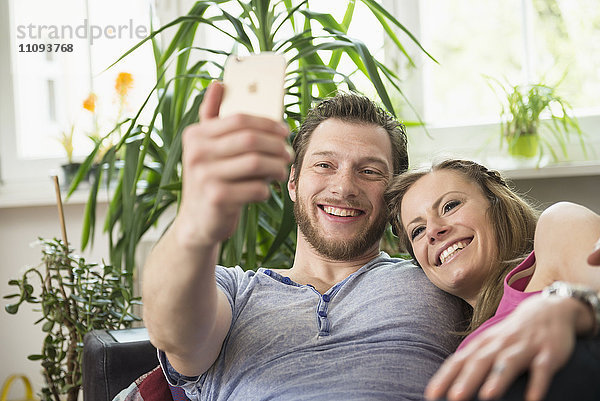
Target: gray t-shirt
[[380, 334]]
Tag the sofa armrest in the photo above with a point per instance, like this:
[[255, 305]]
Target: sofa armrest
[[114, 359]]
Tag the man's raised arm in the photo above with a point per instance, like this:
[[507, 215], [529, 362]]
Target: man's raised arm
[[226, 163]]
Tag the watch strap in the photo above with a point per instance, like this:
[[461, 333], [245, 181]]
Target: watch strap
[[582, 293]]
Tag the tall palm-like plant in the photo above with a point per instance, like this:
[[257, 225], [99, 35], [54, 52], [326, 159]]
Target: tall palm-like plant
[[150, 180]]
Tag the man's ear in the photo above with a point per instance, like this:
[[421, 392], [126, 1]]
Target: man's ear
[[291, 185]]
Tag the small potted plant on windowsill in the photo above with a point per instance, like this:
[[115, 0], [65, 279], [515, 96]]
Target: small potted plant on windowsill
[[534, 118], [70, 168]]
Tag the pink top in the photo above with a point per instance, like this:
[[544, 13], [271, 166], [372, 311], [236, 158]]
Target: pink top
[[514, 287]]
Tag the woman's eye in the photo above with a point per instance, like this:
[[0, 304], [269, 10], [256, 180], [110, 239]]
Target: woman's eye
[[451, 205], [415, 232]]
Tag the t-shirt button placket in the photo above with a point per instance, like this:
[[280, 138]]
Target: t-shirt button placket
[[322, 313]]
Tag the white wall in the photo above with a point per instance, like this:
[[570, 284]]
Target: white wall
[[584, 190]]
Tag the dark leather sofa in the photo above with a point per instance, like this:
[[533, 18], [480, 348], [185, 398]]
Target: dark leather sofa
[[112, 360]]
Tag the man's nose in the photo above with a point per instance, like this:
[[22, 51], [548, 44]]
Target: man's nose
[[345, 184]]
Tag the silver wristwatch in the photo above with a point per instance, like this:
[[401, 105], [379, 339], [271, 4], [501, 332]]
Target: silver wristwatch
[[582, 293]]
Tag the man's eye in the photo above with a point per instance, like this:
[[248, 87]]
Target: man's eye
[[322, 165], [373, 174], [451, 205], [415, 232]]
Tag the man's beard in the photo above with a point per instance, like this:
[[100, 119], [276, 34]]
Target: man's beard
[[337, 249]]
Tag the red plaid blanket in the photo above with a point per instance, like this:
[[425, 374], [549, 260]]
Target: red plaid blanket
[[152, 386]]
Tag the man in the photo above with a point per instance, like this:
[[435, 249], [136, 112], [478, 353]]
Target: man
[[345, 321]]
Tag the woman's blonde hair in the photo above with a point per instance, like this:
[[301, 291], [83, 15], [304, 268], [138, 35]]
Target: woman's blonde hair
[[513, 220]]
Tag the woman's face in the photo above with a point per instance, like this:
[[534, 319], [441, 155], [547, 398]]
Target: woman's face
[[445, 217]]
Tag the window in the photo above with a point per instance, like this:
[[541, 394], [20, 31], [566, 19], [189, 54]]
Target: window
[[56, 54], [519, 41], [513, 41]]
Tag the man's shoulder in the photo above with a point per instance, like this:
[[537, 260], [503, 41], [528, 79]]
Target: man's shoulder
[[399, 285], [407, 275], [396, 264], [383, 258], [234, 279]]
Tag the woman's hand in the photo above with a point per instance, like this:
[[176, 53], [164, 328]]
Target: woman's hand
[[538, 336]]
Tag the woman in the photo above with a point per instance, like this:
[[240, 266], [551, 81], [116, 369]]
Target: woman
[[468, 230]]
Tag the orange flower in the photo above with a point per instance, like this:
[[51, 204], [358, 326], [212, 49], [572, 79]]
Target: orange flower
[[123, 83], [90, 102]]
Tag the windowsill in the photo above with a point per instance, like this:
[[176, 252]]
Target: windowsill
[[578, 169], [42, 193]]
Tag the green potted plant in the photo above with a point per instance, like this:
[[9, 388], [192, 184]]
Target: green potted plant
[[72, 297], [535, 119], [313, 43]]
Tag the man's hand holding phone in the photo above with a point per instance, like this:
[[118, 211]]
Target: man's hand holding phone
[[227, 163]]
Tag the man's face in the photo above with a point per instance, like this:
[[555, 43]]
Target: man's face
[[338, 197]]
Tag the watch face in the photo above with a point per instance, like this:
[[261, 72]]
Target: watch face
[[564, 291]]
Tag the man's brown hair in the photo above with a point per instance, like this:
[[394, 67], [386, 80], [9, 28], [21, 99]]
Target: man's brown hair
[[357, 109]]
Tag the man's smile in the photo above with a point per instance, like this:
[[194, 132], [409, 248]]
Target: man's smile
[[340, 211]]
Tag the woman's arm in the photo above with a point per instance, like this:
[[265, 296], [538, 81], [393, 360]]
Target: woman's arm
[[564, 235]]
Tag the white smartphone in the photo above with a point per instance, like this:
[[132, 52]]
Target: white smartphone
[[254, 85]]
